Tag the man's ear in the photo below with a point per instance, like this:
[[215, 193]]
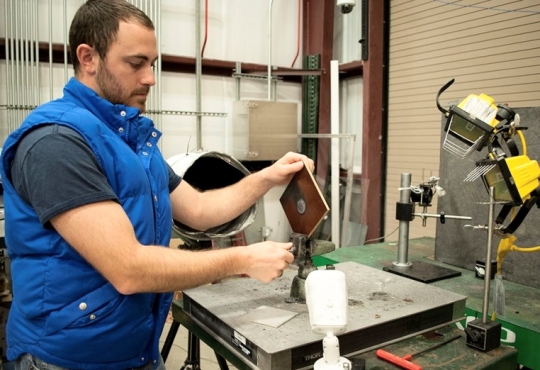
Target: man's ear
[[88, 58]]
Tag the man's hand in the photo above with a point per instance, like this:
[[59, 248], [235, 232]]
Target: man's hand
[[266, 261], [282, 171]]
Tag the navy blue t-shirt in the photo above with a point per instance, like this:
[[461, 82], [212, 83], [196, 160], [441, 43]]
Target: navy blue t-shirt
[[54, 170]]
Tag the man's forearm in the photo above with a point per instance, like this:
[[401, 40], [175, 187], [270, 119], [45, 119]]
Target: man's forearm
[[158, 269]]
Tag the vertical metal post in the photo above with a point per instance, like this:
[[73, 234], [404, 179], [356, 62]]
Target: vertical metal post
[[35, 53], [403, 239], [198, 71], [17, 63], [8, 8], [25, 58], [237, 79], [159, 91], [270, 50], [335, 151], [487, 275]]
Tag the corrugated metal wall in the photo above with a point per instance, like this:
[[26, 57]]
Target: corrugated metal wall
[[490, 47]]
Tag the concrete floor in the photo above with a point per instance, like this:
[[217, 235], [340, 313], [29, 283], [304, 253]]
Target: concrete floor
[[178, 354]]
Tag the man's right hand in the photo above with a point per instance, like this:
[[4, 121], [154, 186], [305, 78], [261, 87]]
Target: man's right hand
[[267, 260]]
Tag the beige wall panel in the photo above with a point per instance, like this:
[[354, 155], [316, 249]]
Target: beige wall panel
[[510, 83], [487, 49], [408, 130], [463, 23], [446, 56], [498, 37], [503, 62], [420, 14], [407, 141], [417, 117], [490, 47]]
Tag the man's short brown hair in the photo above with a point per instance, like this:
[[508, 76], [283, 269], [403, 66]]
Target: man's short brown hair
[[96, 24]]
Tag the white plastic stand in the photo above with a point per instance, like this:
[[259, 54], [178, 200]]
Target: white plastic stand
[[331, 359]]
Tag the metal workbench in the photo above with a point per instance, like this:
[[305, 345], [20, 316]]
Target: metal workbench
[[450, 356]]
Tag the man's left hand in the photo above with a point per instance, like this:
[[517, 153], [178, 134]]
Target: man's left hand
[[282, 171]]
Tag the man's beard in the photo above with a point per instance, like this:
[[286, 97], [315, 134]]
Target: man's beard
[[111, 89]]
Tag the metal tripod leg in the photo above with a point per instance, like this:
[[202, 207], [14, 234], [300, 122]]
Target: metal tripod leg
[[221, 362], [193, 361], [169, 340]]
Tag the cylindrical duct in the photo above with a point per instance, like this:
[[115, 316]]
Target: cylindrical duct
[[207, 170]]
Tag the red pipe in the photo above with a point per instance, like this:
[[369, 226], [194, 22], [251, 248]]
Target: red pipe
[[205, 26]]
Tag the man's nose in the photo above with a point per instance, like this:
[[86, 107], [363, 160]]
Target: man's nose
[[148, 79]]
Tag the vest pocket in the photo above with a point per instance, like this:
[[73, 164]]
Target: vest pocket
[[120, 331], [100, 301]]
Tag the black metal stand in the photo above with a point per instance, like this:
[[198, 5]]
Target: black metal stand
[[419, 270], [169, 340], [484, 334], [222, 362], [423, 271], [193, 361]]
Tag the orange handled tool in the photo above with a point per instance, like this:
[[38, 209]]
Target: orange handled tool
[[404, 362]]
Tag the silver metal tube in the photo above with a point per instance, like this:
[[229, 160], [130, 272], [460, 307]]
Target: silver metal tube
[[151, 101], [36, 37], [14, 66], [237, 79], [9, 88], [403, 238], [17, 66], [159, 91], [198, 71], [487, 276], [26, 80], [155, 90], [33, 23], [270, 50], [436, 215]]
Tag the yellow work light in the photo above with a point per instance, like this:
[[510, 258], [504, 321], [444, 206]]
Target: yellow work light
[[470, 125], [513, 179]]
